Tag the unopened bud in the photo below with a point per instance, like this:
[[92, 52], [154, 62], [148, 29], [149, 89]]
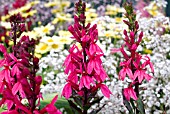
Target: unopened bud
[[35, 61], [38, 80], [136, 25]]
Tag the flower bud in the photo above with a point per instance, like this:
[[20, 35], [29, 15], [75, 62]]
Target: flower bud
[[38, 80], [136, 25], [35, 61]]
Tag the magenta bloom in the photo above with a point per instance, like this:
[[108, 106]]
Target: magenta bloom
[[67, 91], [84, 68], [133, 66], [105, 90], [50, 108], [126, 70], [129, 93], [85, 81]]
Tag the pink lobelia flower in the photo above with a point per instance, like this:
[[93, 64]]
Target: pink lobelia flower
[[126, 70], [86, 81], [50, 108], [129, 93], [140, 72], [105, 90], [67, 91]]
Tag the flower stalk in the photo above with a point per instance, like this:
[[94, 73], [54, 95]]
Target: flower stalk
[[84, 66], [18, 80], [134, 65]]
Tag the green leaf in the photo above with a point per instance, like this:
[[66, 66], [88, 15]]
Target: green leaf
[[74, 107], [128, 106], [78, 101], [132, 103], [140, 106]]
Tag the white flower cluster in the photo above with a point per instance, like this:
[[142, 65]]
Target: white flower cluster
[[52, 70]]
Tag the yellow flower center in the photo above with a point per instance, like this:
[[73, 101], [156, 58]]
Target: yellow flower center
[[45, 30], [55, 46], [44, 47], [50, 40], [63, 40]]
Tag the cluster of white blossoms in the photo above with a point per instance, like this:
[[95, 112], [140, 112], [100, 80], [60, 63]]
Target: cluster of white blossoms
[[52, 71]]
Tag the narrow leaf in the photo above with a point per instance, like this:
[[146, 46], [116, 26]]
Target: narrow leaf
[[140, 106]]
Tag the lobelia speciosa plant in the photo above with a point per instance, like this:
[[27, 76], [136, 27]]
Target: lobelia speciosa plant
[[134, 65], [19, 85], [84, 66]]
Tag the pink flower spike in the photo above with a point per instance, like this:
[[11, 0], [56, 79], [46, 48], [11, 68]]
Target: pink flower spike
[[147, 76], [5, 74], [16, 88], [136, 74], [103, 75], [141, 76], [13, 57], [90, 66], [129, 93], [105, 90]]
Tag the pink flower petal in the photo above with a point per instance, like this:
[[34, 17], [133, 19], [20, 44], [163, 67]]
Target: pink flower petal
[[129, 73], [105, 90], [132, 94], [90, 66], [16, 88], [140, 77], [122, 74], [126, 94], [67, 91]]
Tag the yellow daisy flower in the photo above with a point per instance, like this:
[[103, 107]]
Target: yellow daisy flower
[[42, 48], [44, 30], [48, 40], [57, 47], [64, 40]]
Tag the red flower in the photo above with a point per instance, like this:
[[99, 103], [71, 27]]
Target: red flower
[[67, 91], [129, 93], [50, 108], [105, 90], [126, 70]]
